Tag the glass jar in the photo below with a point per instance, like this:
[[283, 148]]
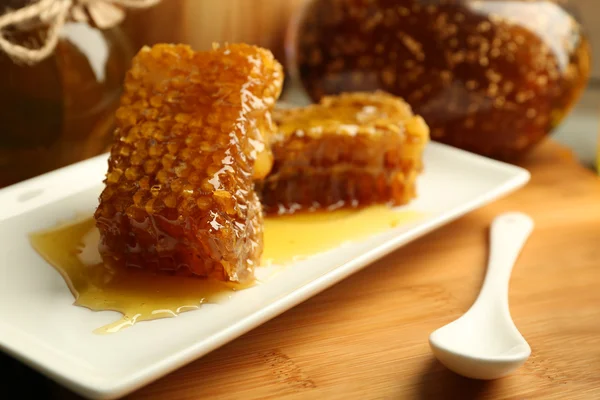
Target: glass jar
[[490, 76], [60, 110]]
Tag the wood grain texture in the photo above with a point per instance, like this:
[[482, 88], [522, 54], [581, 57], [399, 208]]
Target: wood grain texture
[[367, 336]]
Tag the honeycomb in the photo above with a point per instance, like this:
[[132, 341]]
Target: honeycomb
[[352, 150], [191, 138]]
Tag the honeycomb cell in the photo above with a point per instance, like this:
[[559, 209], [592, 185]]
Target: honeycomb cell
[[179, 192], [349, 150]]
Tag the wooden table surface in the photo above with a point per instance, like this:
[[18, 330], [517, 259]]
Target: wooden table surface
[[367, 336]]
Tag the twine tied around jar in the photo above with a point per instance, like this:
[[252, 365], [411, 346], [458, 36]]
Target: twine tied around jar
[[54, 14]]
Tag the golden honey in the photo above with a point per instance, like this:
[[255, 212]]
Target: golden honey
[[352, 149], [140, 295], [298, 236], [191, 128]]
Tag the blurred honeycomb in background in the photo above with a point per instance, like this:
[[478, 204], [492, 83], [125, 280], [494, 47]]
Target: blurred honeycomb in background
[[489, 76]]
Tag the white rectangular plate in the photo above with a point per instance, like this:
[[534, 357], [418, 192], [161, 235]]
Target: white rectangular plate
[[40, 326]]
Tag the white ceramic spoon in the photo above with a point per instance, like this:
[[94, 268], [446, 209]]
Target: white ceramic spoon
[[484, 343]]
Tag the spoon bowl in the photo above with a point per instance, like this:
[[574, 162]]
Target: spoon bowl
[[485, 343]]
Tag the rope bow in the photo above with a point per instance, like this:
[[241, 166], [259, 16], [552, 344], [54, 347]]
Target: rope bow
[[54, 14]]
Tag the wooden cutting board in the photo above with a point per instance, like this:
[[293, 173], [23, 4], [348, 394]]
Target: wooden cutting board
[[367, 336]]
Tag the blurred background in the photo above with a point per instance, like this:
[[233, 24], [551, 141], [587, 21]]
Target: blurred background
[[590, 14], [263, 22], [498, 103], [579, 130], [202, 22]]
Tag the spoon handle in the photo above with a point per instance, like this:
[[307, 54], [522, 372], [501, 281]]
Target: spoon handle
[[508, 235]]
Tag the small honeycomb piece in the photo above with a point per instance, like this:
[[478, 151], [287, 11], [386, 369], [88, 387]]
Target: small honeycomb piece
[[190, 139], [349, 150]]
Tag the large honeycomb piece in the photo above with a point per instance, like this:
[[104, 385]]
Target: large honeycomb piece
[[350, 150], [190, 139]]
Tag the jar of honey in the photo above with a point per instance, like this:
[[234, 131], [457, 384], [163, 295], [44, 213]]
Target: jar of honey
[[59, 110], [489, 76]]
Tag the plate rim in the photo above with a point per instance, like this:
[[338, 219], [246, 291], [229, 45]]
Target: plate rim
[[103, 388]]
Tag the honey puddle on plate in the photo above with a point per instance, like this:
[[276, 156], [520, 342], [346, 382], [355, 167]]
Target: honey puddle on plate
[[72, 248]]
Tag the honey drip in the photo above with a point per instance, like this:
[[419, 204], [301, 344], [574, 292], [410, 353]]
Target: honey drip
[[72, 248]]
